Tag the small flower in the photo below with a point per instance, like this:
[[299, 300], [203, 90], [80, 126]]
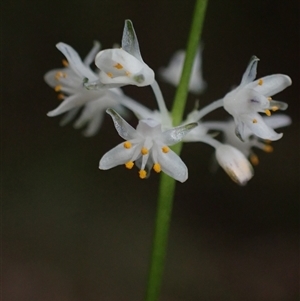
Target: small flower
[[148, 146], [125, 66], [172, 73], [234, 163], [68, 82], [251, 97], [250, 141]]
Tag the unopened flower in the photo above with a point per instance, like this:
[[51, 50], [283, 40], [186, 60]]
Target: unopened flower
[[172, 73], [148, 146], [124, 66], [234, 163], [253, 97], [68, 82]]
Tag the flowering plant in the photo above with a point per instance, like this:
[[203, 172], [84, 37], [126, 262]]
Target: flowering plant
[[87, 94]]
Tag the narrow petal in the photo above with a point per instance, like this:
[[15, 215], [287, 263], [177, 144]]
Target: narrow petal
[[69, 116], [69, 103], [92, 54], [124, 129], [172, 165], [278, 121], [176, 134], [117, 156], [250, 72], [75, 62], [259, 128], [270, 85], [130, 42]]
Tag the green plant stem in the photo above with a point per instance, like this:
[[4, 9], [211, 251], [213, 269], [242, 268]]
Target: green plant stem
[[167, 184]]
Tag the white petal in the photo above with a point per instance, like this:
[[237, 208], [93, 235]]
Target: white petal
[[234, 163], [69, 103], [277, 121], [271, 84], [172, 165], [92, 54], [76, 63], [175, 135], [69, 116], [117, 156], [250, 72], [124, 129], [130, 42], [259, 127]]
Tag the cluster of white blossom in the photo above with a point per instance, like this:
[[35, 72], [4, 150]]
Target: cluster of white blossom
[[86, 94]]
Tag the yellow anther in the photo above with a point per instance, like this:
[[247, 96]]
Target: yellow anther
[[57, 88], [254, 120], [254, 159], [268, 112], [274, 108], [129, 164], [142, 174], [127, 73], [60, 96], [268, 148], [165, 149], [127, 144], [144, 151], [260, 82], [268, 141], [109, 74], [65, 63], [157, 167], [269, 98], [118, 66], [60, 74]]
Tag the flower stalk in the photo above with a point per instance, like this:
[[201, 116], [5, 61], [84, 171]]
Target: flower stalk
[[167, 184]]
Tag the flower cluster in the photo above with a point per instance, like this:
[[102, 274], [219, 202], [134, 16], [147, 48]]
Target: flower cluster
[[86, 94]]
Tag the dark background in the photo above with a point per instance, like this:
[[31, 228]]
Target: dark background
[[72, 232]]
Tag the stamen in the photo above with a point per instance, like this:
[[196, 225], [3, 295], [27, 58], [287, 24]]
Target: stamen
[[65, 63], [60, 96], [57, 88], [127, 144], [254, 121], [142, 174], [129, 164], [269, 98], [268, 148], [60, 74], [127, 73], [254, 159], [109, 74], [274, 108], [118, 66], [165, 149], [268, 112], [260, 82], [144, 151], [157, 167]]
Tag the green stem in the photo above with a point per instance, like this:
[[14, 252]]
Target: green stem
[[167, 184]]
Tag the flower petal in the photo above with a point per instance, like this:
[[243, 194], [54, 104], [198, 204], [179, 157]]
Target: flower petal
[[124, 129], [117, 156], [130, 42], [270, 85], [92, 54], [259, 128], [75, 62], [278, 121], [172, 165], [176, 134], [250, 72]]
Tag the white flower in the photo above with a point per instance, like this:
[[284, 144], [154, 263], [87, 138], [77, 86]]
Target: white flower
[[172, 73], [68, 82], [234, 163], [148, 146], [250, 141], [125, 66], [251, 97]]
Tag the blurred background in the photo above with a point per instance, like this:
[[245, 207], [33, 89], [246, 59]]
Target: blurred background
[[73, 232]]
